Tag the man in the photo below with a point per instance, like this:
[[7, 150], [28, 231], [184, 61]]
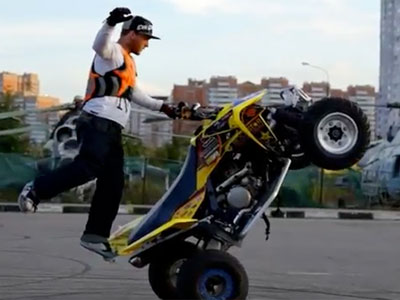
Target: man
[[111, 86]]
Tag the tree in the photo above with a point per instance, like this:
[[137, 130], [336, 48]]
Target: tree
[[11, 143], [133, 147], [175, 151]]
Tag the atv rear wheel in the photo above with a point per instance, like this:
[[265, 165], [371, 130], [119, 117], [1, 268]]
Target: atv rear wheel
[[213, 274], [336, 133], [164, 269]]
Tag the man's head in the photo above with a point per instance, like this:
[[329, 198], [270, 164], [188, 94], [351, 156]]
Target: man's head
[[136, 33]]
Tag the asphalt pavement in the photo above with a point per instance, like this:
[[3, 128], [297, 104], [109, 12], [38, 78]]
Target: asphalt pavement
[[310, 259]]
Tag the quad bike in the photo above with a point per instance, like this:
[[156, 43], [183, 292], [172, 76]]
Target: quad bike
[[236, 164]]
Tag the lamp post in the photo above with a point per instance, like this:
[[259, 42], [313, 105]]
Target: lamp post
[[321, 174], [304, 63]]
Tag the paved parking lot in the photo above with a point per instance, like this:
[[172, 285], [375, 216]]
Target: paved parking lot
[[40, 258]]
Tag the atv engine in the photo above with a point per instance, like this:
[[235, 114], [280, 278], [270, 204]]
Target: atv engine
[[238, 181], [239, 190], [239, 197]]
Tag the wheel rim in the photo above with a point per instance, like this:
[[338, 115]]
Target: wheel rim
[[216, 284], [337, 133]]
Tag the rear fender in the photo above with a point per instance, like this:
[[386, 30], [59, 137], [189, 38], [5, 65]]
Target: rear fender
[[119, 243], [119, 239]]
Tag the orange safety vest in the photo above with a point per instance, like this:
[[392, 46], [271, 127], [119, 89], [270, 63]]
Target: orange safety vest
[[116, 82]]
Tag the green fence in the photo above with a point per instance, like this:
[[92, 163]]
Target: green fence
[[302, 188], [147, 180]]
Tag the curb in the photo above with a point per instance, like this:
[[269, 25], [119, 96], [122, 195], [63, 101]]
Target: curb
[[327, 213], [358, 216], [284, 213], [9, 208], [76, 208], [84, 208]]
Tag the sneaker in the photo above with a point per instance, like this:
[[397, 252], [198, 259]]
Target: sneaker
[[27, 199], [99, 245]]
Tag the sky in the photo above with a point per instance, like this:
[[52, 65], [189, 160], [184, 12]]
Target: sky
[[249, 39]]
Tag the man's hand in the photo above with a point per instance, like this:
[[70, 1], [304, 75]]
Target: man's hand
[[169, 110], [118, 15]]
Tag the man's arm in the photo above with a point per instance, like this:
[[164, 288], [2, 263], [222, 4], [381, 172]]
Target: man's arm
[[103, 45], [142, 99]]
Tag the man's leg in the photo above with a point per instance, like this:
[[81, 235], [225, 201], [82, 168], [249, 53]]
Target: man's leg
[[108, 194], [105, 203], [85, 167]]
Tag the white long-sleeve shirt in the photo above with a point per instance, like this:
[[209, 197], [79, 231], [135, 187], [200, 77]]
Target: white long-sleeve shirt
[[108, 57]]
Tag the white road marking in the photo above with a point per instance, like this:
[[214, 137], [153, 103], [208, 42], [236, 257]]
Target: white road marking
[[309, 273]]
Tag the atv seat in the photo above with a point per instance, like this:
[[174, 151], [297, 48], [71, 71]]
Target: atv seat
[[180, 191]]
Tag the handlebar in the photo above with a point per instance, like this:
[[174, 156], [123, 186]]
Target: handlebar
[[196, 112]]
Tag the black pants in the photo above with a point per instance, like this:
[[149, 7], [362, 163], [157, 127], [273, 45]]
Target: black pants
[[100, 156]]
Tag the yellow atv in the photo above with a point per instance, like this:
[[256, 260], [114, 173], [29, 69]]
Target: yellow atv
[[236, 164]]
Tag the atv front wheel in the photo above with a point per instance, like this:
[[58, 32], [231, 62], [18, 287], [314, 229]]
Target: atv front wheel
[[213, 274], [164, 269], [335, 134]]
